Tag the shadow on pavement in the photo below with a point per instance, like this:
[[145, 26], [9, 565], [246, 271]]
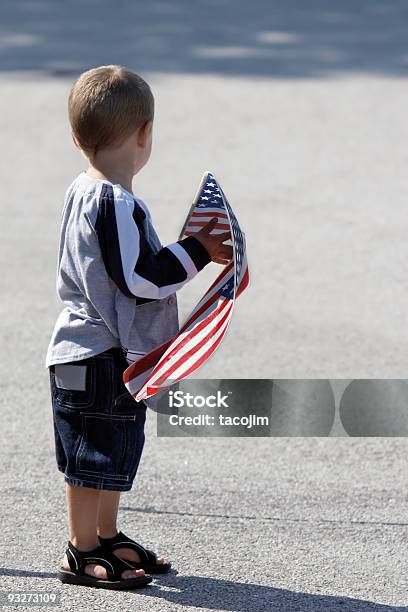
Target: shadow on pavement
[[218, 594], [269, 38], [11, 571]]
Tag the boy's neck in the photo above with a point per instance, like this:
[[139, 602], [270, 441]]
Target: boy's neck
[[119, 176]]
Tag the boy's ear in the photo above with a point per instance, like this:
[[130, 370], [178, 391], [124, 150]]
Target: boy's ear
[[143, 133], [74, 140], [78, 146]]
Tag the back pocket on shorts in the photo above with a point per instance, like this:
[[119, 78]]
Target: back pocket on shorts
[[73, 384]]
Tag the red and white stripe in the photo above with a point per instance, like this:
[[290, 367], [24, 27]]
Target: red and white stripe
[[201, 216], [189, 350], [197, 340], [140, 371]]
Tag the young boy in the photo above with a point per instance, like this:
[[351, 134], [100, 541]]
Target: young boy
[[118, 285]]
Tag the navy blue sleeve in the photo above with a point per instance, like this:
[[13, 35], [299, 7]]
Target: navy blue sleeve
[[129, 258]]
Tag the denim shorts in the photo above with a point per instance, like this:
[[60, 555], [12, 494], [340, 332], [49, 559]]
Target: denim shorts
[[98, 426]]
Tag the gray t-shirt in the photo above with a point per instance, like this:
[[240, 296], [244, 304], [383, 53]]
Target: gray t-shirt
[[116, 280]]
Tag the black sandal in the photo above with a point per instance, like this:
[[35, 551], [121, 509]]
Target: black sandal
[[100, 556], [148, 559]]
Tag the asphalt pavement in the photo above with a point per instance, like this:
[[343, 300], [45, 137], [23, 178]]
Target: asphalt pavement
[[300, 113]]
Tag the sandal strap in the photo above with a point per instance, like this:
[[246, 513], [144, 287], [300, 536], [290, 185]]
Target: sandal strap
[[100, 555], [120, 540]]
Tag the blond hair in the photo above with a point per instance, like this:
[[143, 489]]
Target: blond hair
[[106, 105]]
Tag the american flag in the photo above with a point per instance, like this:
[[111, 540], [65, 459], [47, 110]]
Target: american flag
[[204, 329]]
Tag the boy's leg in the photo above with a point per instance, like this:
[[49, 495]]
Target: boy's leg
[[106, 525], [108, 513], [83, 507]]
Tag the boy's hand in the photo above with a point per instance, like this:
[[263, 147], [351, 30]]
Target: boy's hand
[[219, 252]]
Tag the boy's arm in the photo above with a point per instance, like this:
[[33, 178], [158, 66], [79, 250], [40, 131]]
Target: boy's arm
[[129, 258]]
